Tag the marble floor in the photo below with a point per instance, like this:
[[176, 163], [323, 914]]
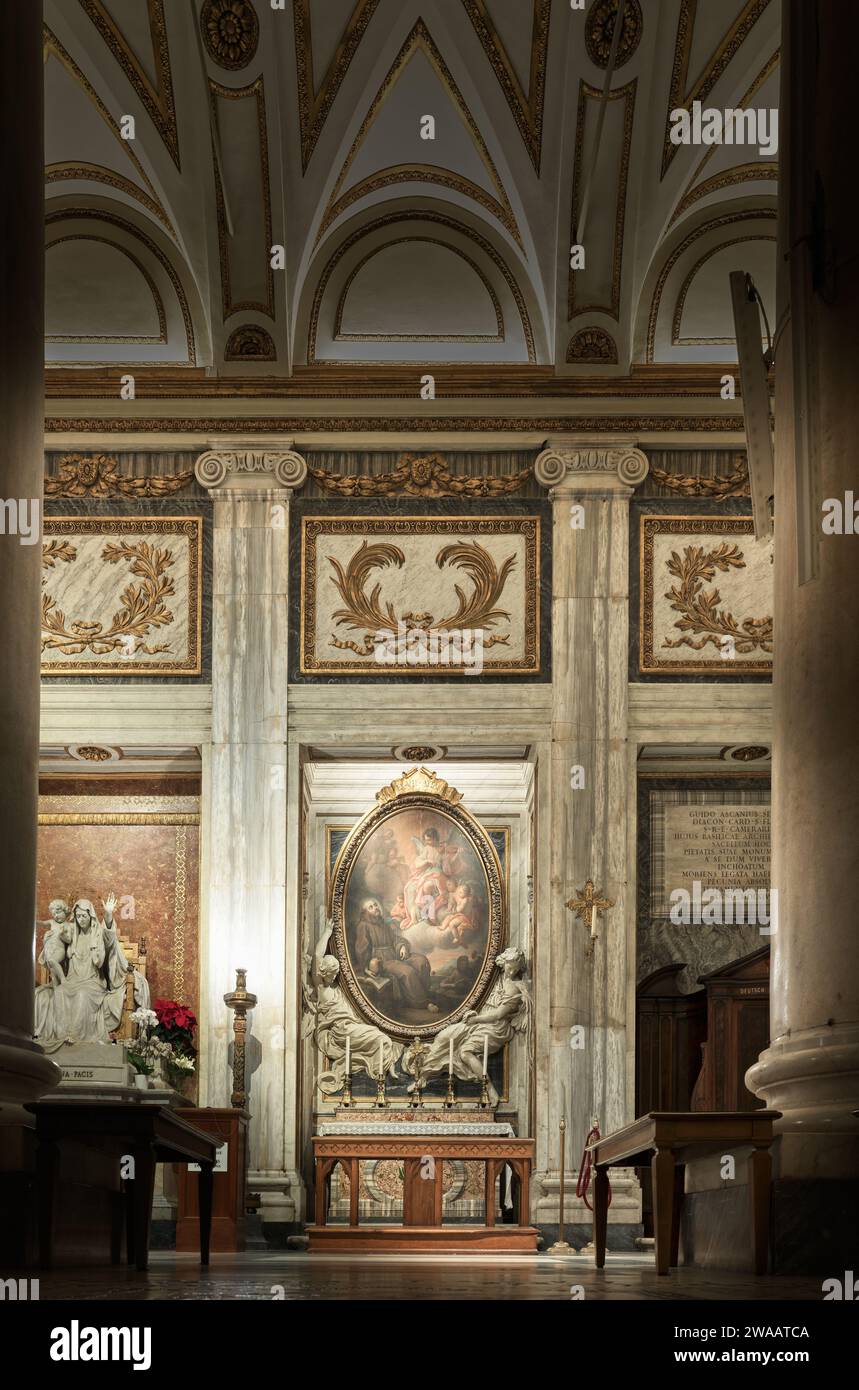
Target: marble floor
[[298, 1276]]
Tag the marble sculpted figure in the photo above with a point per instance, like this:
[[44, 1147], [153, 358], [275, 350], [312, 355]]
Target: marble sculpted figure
[[508, 1010], [337, 1027], [83, 1002]]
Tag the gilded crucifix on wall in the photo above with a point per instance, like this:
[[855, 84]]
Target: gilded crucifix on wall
[[586, 906]]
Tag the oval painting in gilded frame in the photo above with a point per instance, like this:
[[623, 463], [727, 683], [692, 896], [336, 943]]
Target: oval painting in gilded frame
[[417, 908]]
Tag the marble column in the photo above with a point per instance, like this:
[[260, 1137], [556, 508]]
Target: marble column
[[25, 1073], [810, 1071], [244, 897], [582, 1040]]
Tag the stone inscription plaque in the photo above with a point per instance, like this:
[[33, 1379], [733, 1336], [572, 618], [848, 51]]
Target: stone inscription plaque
[[719, 846]]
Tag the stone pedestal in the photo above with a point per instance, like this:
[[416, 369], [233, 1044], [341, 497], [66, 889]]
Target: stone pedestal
[[244, 813], [583, 1036]]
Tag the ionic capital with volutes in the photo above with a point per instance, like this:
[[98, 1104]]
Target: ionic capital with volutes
[[250, 466], [571, 464]]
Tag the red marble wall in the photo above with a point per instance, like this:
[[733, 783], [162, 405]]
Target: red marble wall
[[155, 865]]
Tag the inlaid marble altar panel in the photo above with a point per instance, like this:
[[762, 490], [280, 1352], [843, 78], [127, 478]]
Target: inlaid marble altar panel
[[122, 595]]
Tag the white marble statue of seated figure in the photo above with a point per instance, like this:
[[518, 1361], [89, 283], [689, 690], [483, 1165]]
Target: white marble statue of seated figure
[[507, 1011], [88, 967]]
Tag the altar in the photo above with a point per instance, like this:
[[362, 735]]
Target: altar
[[425, 1145]]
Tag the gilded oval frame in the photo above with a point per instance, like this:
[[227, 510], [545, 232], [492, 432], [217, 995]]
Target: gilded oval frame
[[444, 805]]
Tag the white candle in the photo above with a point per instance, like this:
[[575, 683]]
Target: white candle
[[381, 1059], [348, 1054], [485, 1051], [450, 1058]]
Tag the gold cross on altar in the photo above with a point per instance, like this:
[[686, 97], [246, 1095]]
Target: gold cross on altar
[[587, 905]]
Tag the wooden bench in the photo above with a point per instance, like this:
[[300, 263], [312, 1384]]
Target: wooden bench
[[667, 1140]]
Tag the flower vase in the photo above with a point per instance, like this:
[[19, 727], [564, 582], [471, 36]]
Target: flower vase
[[141, 1081]]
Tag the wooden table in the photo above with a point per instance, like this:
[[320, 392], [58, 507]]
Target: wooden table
[[668, 1140], [422, 1229], [148, 1133]]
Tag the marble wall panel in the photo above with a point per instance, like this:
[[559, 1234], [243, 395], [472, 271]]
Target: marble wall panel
[[348, 591], [126, 567], [701, 590], [145, 849], [660, 941]]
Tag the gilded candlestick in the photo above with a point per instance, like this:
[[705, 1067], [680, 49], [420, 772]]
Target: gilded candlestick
[[240, 1000]]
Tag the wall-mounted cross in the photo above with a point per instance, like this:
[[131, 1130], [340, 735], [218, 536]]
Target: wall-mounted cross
[[586, 906]]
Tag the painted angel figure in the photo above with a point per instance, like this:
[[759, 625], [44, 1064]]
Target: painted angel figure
[[427, 875], [508, 1010], [331, 1018]]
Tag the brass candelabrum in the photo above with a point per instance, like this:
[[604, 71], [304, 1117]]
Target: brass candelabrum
[[346, 1098], [484, 1092], [381, 1100], [240, 1000], [450, 1098], [415, 1056]]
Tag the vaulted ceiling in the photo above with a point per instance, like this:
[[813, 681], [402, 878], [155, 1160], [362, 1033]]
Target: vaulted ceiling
[[423, 164]]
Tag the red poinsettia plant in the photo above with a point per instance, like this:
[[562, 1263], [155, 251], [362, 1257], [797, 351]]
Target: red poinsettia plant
[[176, 1024]]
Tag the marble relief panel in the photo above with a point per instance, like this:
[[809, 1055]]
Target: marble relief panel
[[122, 595], [706, 596], [386, 595]]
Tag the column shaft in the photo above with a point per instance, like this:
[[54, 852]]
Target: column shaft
[[811, 1070], [25, 1073]]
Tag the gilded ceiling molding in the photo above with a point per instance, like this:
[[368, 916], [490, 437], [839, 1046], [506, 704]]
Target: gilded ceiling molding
[[527, 111], [53, 45], [96, 475], [158, 100], [96, 173], [761, 171], [100, 215], [766, 71], [247, 467], [679, 94], [419, 173], [392, 218], [250, 342], [159, 337], [725, 220], [627, 95], [255, 90], [420, 38], [392, 380], [313, 105], [599, 32], [592, 345], [734, 484], [230, 31], [419, 476], [496, 337], [676, 340], [394, 424], [569, 465]]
